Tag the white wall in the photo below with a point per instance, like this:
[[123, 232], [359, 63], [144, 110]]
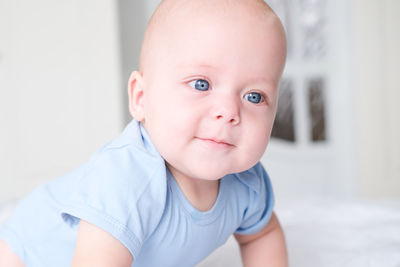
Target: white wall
[[60, 88], [376, 43]]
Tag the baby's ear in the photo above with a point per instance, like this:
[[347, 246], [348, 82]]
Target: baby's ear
[[136, 94]]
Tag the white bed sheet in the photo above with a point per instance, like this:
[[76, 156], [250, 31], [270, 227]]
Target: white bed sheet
[[323, 233], [346, 233], [332, 233]]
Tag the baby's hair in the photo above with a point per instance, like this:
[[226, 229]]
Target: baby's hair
[[171, 8]]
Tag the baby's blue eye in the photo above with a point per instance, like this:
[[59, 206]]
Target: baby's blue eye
[[200, 84], [255, 98]]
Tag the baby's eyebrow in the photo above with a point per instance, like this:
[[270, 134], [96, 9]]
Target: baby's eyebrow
[[197, 65], [260, 80]]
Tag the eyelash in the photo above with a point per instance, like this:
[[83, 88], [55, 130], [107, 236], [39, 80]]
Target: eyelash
[[192, 83]]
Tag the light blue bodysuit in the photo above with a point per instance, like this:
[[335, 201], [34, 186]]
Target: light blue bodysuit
[[126, 189]]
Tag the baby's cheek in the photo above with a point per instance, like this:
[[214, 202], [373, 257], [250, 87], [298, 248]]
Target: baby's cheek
[[259, 143]]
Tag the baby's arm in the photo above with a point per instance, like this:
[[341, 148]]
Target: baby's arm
[[96, 247], [7, 257], [266, 248]]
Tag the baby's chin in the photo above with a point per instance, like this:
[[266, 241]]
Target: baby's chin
[[211, 174]]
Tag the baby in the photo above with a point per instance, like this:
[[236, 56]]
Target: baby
[[184, 174]]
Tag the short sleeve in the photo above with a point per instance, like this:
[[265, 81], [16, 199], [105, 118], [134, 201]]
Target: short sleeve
[[260, 201], [123, 192]]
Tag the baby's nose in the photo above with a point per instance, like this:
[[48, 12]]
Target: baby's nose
[[227, 111]]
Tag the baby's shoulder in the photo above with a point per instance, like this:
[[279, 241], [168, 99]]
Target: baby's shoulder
[[119, 190], [124, 166], [129, 163], [124, 173]]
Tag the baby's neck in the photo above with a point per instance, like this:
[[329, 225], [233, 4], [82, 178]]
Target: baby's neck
[[201, 194]]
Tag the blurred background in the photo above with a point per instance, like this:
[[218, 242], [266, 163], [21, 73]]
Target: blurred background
[[64, 67]]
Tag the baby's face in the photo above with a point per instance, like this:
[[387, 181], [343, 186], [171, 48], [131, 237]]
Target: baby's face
[[210, 96]]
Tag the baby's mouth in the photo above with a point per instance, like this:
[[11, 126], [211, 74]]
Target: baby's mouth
[[216, 143]]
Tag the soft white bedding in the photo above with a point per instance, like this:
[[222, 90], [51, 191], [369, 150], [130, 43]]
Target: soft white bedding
[[332, 233], [342, 233], [324, 233]]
